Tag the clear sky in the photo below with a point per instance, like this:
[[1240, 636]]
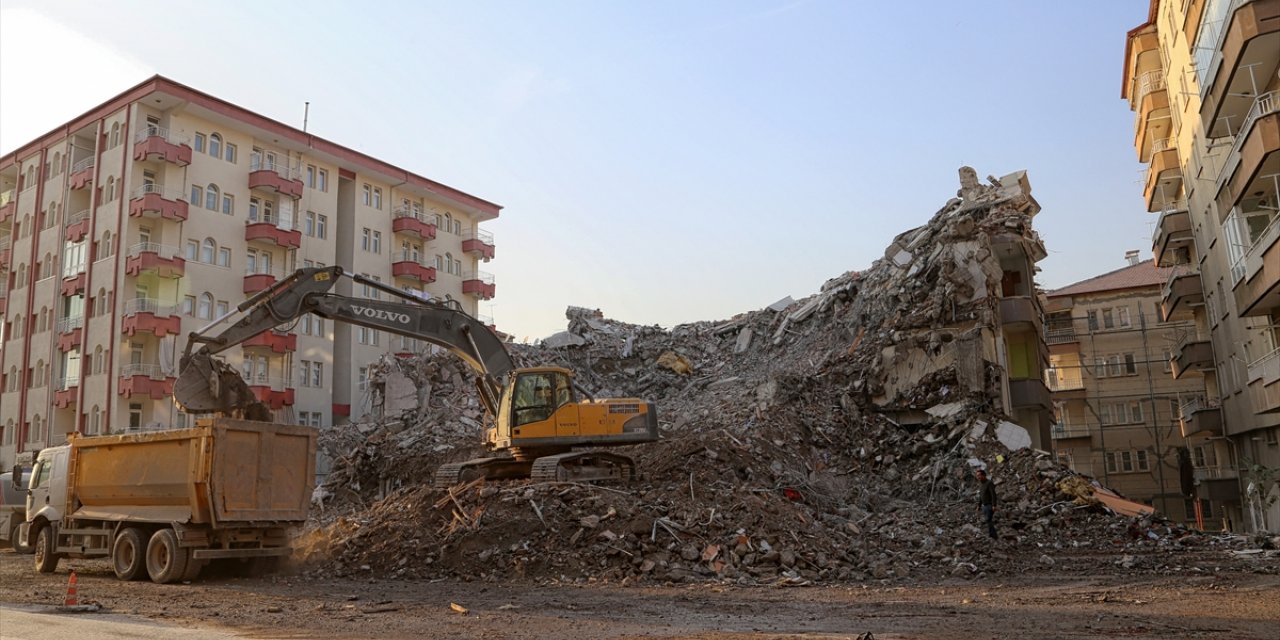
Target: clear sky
[[665, 161]]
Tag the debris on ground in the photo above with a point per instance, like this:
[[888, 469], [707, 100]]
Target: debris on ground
[[827, 439]]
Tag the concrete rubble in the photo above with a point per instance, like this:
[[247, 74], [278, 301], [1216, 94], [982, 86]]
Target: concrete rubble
[[828, 439]]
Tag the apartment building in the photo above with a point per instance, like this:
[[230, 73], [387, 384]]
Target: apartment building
[[1201, 78], [158, 211], [1118, 410]]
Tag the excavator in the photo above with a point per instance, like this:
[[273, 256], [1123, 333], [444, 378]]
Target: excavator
[[536, 418]]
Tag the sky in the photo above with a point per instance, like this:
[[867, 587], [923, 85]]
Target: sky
[[663, 161]]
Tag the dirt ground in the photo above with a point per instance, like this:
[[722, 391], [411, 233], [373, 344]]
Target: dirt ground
[[1038, 604]]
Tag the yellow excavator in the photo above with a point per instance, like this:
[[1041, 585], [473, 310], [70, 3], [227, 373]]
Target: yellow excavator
[[537, 418]]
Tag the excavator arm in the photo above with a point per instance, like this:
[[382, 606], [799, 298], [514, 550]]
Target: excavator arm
[[206, 384]]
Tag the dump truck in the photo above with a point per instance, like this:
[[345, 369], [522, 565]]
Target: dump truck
[[164, 504]]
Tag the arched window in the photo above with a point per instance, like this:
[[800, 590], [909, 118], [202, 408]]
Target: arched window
[[205, 309], [106, 245], [212, 197], [46, 267], [448, 222], [448, 262], [97, 360], [109, 193], [43, 323], [13, 382], [38, 380], [22, 276], [207, 251], [115, 134], [57, 163], [94, 420], [101, 301], [215, 147]]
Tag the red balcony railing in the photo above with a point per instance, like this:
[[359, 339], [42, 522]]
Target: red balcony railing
[[257, 280], [150, 316], [81, 173], [77, 226], [152, 141], [267, 229], [152, 258], [480, 244], [479, 284], [273, 392], [414, 223], [274, 175], [65, 392], [275, 341], [70, 333], [406, 265], [149, 380], [150, 201]]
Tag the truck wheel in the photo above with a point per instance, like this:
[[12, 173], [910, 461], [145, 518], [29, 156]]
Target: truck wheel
[[46, 558], [129, 554], [13, 540], [166, 561], [193, 569]]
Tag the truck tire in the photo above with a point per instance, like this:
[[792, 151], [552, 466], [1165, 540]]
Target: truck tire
[[193, 569], [46, 556], [166, 561], [26, 549], [129, 554]]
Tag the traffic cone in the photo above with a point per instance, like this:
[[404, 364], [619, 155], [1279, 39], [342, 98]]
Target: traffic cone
[[71, 599]]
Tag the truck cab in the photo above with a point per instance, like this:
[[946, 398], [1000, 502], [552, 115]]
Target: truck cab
[[46, 493], [13, 506]]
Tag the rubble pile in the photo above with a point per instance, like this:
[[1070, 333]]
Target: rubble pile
[[827, 439]]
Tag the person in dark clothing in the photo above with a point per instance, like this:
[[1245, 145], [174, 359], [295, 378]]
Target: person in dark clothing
[[987, 501]]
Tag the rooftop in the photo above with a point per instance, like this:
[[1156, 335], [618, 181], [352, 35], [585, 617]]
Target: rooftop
[[1143, 274]]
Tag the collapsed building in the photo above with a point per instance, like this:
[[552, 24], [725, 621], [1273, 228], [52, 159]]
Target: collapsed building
[[827, 439]]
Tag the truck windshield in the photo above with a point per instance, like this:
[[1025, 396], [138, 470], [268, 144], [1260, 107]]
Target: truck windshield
[[40, 476]]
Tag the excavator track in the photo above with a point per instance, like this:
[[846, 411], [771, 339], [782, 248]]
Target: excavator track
[[496, 468], [583, 466]]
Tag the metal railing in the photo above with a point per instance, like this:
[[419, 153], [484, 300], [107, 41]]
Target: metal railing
[[1184, 337], [409, 212], [1146, 83], [1166, 210], [479, 234], [67, 325], [1270, 234], [408, 256], [261, 270], [161, 132], [258, 163], [273, 383], [6, 197], [1265, 105], [67, 382], [164, 251], [1215, 473], [151, 187], [87, 163], [1176, 272], [486, 320], [77, 217], [74, 269], [1064, 385], [271, 218], [1266, 368], [4, 242], [482, 276], [148, 305], [1067, 430], [1208, 52], [153, 371], [1163, 144], [1186, 409]]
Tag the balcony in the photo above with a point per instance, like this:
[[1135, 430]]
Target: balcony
[[407, 265], [267, 229], [1200, 418], [1029, 393], [156, 142], [4, 296], [479, 284], [1252, 151], [1173, 231], [1181, 292], [1238, 54], [148, 315], [4, 251], [1264, 383], [1061, 431], [1151, 112], [274, 175], [77, 226], [1257, 273], [1060, 333], [147, 380], [277, 342], [65, 392], [273, 392], [7, 205], [1221, 484], [479, 243], [70, 333], [412, 223], [81, 174], [150, 201], [1021, 312], [1192, 353], [152, 258], [1164, 177], [256, 280], [73, 279]]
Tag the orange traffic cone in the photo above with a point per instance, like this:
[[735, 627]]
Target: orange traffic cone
[[71, 599]]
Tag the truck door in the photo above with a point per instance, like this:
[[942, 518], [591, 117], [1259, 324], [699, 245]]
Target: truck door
[[566, 413]]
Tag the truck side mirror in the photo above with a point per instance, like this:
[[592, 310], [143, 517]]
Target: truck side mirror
[[17, 477]]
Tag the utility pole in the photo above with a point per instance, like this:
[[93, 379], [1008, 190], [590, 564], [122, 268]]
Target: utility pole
[[1151, 395]]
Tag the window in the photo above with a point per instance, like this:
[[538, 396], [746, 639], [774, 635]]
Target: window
[[322, 179], [1108, 319], [192, 251], [211, 197], [1168, 361], [1272, 436], [105, 248], [207, 251], [115, 135], [215, 146], [365, 235], [317, 374], [205, 309], [1130, 367], [110, 190], [189, 305], [322, 226], [309, 222], [1123, 314], [135, 416], [448, 222], [224, 257], [377, 198], [230, 155], [199, 142], [228, 204], [448, 262], [197, 195], [222, 307], [363, 380], [377, 242], [366, 195]]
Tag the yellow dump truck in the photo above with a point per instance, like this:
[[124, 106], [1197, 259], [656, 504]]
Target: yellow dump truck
[[164, 504]]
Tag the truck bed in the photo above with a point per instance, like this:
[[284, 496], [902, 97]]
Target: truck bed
[[222, 471]]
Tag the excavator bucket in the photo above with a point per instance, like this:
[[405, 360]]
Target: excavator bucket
[[207, 385]]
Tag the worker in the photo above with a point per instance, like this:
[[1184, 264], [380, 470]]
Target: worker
[[987, 501]]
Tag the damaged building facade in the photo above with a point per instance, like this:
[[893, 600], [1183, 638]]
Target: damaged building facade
[[1119, 412], [1201, 79]]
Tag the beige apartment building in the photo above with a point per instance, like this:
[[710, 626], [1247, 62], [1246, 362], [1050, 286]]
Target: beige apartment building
[[1118, 410], [160, 210], [1201, 78]]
